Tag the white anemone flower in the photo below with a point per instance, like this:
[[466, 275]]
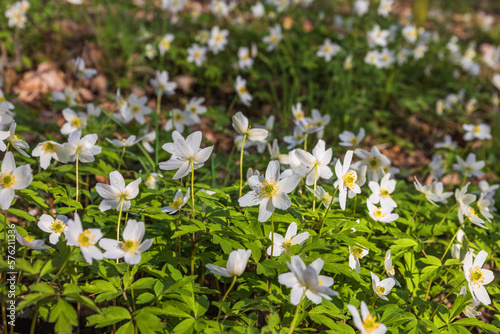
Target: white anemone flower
[[12, 178], [433, 193], [382, 288], [470, 310], [3, 135], [83, 149], [448, 143], [53, 226], [165, 43], [81, 71], [195, 108], [86, 240], [469, 167], [375, 161], [68, 96], [389, 268], [162, 85], [152, 180], [18, 144], [481, 131], [270, 192], [296, 139], [456, 248], [116, 194], [349, 139], [360, 180], [328, 50], [463, 198], [346, 179], [137, 109], [315, 165], [132, 246], [244, 58], [130, 141], [410, 33], [93, 111], [321, 194], [284, 244], [218, 39], [178, 202], [367, 323], [240, 124], [274, 152], [197, 54], [177, 120], [241, 88], [49, 150], [470, 213], [235, 266], [477, 277], [381, 213], [361, 7], [186, 154], [274, 37], [356, 253], [483, 204], [307, 281], [382, 192], [30, 242]]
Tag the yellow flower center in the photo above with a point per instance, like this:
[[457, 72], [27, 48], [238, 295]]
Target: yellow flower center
[[472, 212], [379, 213], [49, 147], [135, 109], [372, 163], [29, 239], [370, 323], [2, 99], [357, 252], [7, 180], [86, 239], [385, 193], [58, 226], [327, 48], [165, 44], [76, 122], [193, 110], [178, 117], [268, 188], [391, 271], [299, 115], [129, 245], [476, 276], [273, 39], [218, 38], [176, 204], [197, 54], [350, 179], [353, 140], [476, 130], [380, 290]]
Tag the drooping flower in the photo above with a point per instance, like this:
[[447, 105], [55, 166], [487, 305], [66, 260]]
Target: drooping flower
[[241, 88], [382, 288], [240, 124], [270, 192], [116, 193], [306, 280], [12, 178], [470, 310], [389, 268], [236, 264], [356, 253], [463, 198], [350, 139], [53, 226], [477, 277], [470, 213], [346, 179], [483, 204], [178, 202], [18, 144], [284, 244], [30, 242], [367, 323], [132, 246], [186, 154], [84, 239], [433, 193]]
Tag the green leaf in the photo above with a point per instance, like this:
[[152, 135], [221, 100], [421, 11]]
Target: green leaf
[[64, 315], [110, 315]]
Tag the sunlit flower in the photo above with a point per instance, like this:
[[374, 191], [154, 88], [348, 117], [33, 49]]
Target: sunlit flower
[[132, 246], [382, 288], [470, 213], [480, 131], [284, 244], [137, 109], [269, 192], [346, 179], [116, 194], [381, 213], [477, 277], [367, 323], [49, 150], [410, 33], [377, 36], [241, 88], [356, 253], [483, 204], [82, 149], [456, 248], [186, 154], [307, 281], [218, 39], [74, 121], [321, 194], [374, 161], [197, 54], [53, 226], [235, 266], [382, 192], [389, 268], [14, 140], [12, 178], [84, 239], [164, 44], [178, 202], [384, 8]]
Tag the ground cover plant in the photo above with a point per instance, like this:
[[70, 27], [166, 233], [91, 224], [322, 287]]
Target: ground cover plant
[[277, 167]]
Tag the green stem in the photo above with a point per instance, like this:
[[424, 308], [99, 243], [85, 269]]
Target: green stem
[[270, 284], [35, 317], [452, 239], [440, 223], [157, 132], [305, 141], [231, 106], [418, 207], [121, 158], [355, 202], [326, 212], [192, 186], [119, 220], [225, 296], [241, 162], [77, 177], [294, 321], [315, 184], [465, 179], [63, 266]]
